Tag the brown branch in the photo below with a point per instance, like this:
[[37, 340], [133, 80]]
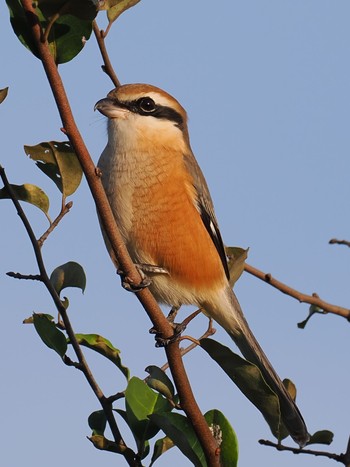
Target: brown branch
[[158, 319], [313, 299], [65, 209], [342, 458], [107, 67], [18, 275], [334, 241]]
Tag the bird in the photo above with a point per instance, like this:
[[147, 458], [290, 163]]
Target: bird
[[163, 208]]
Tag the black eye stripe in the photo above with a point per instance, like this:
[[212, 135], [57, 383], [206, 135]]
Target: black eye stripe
[[160, 111]]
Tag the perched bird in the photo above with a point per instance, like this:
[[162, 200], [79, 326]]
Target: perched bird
[[162, 205]]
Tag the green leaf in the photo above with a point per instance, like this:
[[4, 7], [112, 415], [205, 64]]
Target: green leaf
[[30, 194], [236, 259], [50, 335], [180, 431], [82, 9], [321, 437], [141, 402], [3, 94], [59, 162], [104, 347], [250, 381], [68, 37], [116, 7], [160, 447], [160, 382], [97, 422], [70, 274], [20, 25], [225, 436], [67, 33]]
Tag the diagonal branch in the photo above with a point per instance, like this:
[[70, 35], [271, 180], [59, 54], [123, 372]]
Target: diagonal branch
[[107, 67], [159, 321], [313, 299]]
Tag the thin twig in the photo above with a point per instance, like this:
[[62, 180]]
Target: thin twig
[[334, 241], [313, 299], [107, 67], [329, 455], [18, 275], [65, 209]]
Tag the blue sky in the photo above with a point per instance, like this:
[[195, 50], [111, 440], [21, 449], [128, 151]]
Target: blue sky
[[266, 87]]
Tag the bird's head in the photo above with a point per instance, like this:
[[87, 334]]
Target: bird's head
[[144, 111]]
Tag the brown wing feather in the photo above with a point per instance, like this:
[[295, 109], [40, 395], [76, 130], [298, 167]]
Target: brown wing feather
[[206, 208]]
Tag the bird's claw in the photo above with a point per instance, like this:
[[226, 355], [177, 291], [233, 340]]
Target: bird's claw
[[178, 329], [129, 285]]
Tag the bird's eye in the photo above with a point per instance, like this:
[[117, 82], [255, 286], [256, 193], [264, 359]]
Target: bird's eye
[[146, 104]]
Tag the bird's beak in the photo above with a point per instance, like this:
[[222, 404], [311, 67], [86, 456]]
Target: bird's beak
[[110, 108]]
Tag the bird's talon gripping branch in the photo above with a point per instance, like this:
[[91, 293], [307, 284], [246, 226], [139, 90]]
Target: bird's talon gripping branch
[[163, 342], [129, 285]]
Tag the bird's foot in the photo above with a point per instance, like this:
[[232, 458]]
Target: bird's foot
[[178, 329], [130, 285]]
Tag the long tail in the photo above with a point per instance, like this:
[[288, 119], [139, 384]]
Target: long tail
[[236, 326]]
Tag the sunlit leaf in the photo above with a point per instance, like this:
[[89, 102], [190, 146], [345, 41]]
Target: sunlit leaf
[[59, 162], [116, 7], [30, 194], [225, 437], [70, 274], [250, 381], [50, 335], [104, 347], [236, 259], [178, 428], [159, 381], [3, 94], [141, 402], [291, 388], [30, 319], [161, 446], [104, 444], [97, 422]]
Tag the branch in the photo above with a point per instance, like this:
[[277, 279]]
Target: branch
[[107, 67], [65, 209], [342, 458], [313, 299], [158, 319], [334, 241]]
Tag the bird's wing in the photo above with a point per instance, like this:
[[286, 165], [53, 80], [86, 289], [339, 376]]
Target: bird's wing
[[206, 208]]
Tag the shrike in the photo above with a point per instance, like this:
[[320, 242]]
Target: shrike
[[162, 205]]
